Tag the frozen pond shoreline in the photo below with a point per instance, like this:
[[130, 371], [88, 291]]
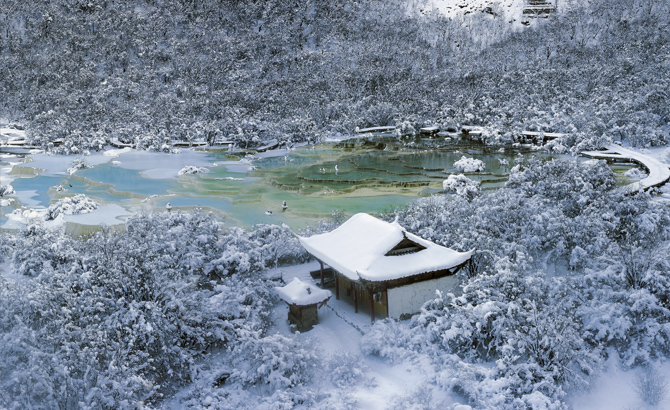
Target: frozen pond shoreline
[[362, 175]]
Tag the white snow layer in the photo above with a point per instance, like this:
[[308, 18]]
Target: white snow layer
[[460, 184], [302, 294], [460, 8], [78, 204], [469, 165], [358, 250], [191, 169]]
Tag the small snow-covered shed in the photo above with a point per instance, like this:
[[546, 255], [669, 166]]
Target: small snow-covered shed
[[302, 300], [381, 265]]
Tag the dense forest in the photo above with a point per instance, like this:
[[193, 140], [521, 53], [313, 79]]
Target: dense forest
[[87, 71]]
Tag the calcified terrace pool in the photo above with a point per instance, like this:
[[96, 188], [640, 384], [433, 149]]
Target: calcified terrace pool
[[362, 175]]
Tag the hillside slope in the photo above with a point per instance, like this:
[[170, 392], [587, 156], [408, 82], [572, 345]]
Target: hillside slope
[[87, 72]]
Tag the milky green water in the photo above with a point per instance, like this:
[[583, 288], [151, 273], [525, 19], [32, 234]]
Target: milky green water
[[380, 174]]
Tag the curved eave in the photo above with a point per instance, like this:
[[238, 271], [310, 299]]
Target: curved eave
[[457, 260]]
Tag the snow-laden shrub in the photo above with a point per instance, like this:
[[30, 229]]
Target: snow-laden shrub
[[192, 169], [635, 173], [77, 164], [275, 361], [277, 245], [405, 128], [461, 185], [502, 385], [37, 249], [651, 385], [495, 137], [626, 298], [379, 115], [388, 339], [469, 165], [419, 399], [345, 369], [78, 204], [6, 190], [589, 142], [557, 146]]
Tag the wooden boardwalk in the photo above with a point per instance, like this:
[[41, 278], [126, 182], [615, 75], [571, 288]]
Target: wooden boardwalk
[[659, 173], [536, 137], [538, 8], [369, 130]]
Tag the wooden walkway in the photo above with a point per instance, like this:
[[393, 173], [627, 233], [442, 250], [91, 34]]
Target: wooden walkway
[[536, 137], [375, 129], [538, 8], [659, 173]]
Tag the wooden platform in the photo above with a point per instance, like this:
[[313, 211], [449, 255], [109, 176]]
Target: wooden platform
[[429, 130], [538, 136], [369, 130], [538, 8]]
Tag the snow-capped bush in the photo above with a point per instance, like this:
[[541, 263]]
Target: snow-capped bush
[[419, 399], [77, 164], [495, 137], [469, 165], [461, 185], [651, 385], [635, 173], [388, 339], [78, 204], [276, 361], [345, 369], [192, 169], [574, 184], [405, 128], [520, 321], [556, 146], [6, 190]]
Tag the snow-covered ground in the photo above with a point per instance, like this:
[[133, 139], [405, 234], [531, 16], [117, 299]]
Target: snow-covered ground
[[615, 389], [454, 8]]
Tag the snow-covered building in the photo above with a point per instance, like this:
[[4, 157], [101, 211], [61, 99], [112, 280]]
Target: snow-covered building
[[382, 266], [302, 300]]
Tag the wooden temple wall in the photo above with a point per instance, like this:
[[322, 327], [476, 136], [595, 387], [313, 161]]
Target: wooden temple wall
[[359, 296]]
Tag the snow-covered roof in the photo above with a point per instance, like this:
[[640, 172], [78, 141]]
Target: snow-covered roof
[[359, 249], [302, 294]]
